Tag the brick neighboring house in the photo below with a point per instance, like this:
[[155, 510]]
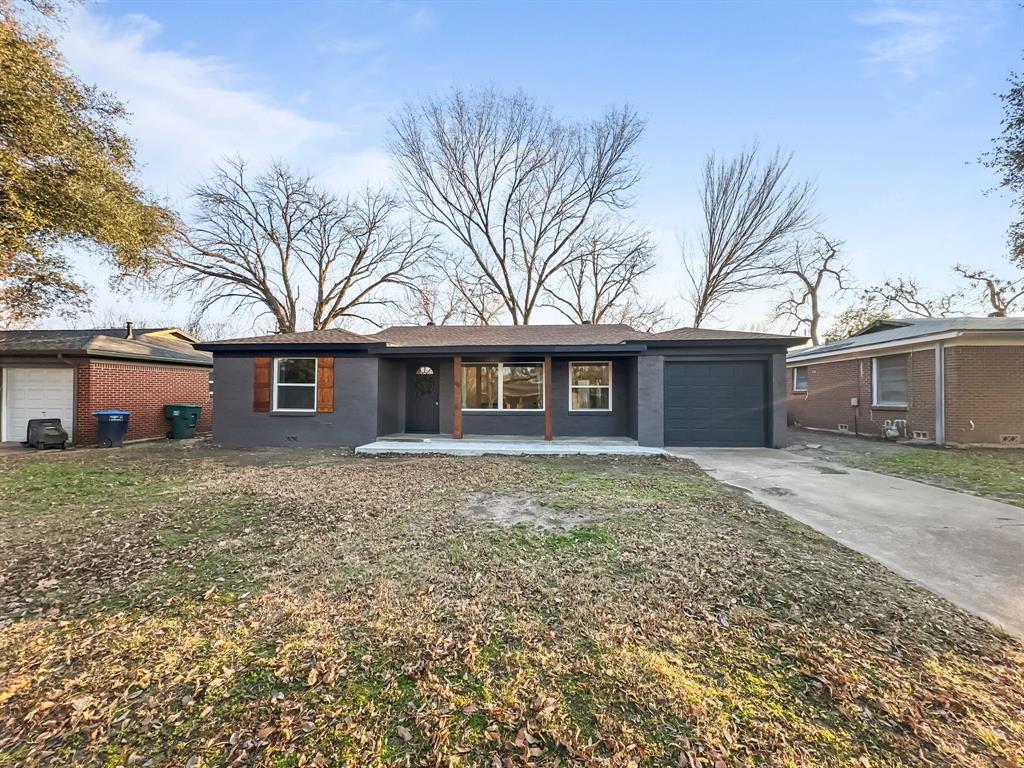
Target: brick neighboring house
[[956, 381], [70, 374]]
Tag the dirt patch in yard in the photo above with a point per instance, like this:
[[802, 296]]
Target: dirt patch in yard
[[526, 509]]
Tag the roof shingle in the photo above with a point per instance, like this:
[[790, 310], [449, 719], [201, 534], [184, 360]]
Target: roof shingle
[[102, 342], [912, 328], [325, 336], [712, 334], [506, 335], [455, 336]]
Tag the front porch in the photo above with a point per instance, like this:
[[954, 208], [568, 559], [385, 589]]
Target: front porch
[[575, 397], [506, 445]]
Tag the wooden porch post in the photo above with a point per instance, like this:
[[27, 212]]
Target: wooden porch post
[[549, 431], [457, 417]]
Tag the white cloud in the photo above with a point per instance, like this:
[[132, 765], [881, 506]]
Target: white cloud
[[187, 112], [910, 38]]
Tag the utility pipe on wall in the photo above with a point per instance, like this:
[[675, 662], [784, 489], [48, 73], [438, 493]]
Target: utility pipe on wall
[[940, 394]]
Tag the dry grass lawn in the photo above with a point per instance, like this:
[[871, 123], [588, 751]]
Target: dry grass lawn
[[172, 606]]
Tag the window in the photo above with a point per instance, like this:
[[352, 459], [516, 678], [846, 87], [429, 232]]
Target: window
[[800, 379], [480, 386], [503, 386], [590, 386], [890, 380], [295, 384], [424, 381]]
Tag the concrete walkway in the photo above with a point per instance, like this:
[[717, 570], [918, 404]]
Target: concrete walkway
[[511, 446], [967, 549]]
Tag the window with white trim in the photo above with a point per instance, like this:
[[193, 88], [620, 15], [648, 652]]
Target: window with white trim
[[295, 384], [800, 379], [590, 386], [889, 380], [503, 386]]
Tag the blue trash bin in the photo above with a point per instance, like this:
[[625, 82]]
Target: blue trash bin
[[112, 426]]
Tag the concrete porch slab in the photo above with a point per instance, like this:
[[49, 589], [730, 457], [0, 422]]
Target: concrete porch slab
[[507, 446]]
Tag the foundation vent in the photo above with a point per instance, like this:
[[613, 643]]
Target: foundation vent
[[843, 427], [919, 435], [1009, 439]]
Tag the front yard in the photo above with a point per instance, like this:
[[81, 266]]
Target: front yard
[[165, 605]]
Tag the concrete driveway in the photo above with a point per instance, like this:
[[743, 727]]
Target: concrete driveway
[[967, 549]]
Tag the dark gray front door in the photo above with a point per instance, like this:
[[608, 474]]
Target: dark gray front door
[[716, 403], [422, 400]]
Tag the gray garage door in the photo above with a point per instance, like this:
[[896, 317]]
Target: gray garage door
[[716, 403]]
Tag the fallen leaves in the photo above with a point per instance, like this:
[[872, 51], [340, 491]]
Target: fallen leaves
[[344, 611]]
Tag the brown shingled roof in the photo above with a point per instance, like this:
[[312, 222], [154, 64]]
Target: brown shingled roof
[[711, 334], [325, 336], [564, 335], [505, 335], [103, 342]]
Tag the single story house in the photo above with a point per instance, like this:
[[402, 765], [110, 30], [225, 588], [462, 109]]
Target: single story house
[[338, 388], [70, 374], [955, 380]]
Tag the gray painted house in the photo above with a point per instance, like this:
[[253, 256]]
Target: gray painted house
[[682, 387]]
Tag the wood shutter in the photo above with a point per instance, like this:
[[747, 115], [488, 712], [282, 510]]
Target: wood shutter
[[325, 385], [262, 367]]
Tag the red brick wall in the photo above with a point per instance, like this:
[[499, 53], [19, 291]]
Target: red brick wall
[[826, 403], [143, 390], [921, 392], [984, 394], [831, 385]]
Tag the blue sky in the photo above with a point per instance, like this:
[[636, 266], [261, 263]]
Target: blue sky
[[885, 105]]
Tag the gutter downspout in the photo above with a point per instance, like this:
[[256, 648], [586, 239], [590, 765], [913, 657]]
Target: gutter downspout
[[940, 394]]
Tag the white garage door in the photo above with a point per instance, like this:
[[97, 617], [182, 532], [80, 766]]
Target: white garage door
[[37, 393]]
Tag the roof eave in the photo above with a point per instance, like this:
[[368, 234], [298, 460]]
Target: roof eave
[[309, 346], [815, 353], [203, 362], [104, 354]]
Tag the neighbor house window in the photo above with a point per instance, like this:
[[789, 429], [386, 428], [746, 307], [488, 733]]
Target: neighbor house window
[[503, 386], [800, 379], [590, 386], [890, 380], [295, 384]]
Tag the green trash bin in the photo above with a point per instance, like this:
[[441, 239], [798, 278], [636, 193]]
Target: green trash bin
[[183, 420]]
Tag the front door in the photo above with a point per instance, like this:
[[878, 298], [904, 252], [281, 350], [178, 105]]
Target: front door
[[422, 399]]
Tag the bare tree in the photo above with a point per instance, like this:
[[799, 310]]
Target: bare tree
[[905, 296], [751, 213], [512, 186], [435, 300], [603, 278], [266, 244], [1002, 295], [816, 272], [897, 297], [645, 316], [354, 251], [854, 319]]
